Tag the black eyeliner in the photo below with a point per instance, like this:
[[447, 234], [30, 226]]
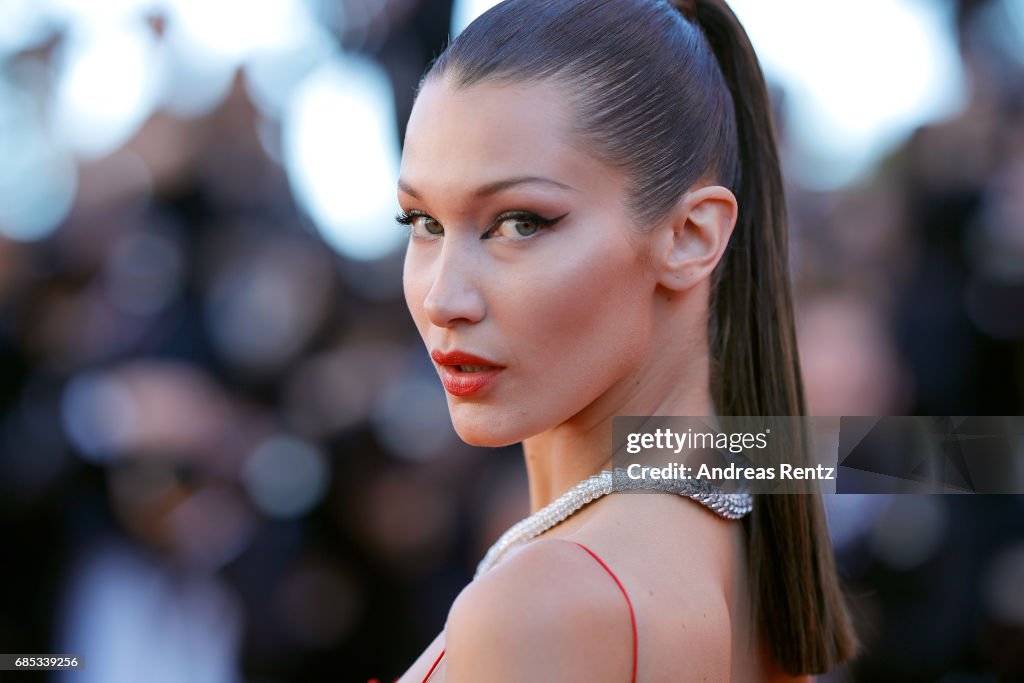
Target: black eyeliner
[[528, 215]]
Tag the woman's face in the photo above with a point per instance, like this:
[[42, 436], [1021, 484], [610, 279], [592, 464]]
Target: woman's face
[[521, 253]]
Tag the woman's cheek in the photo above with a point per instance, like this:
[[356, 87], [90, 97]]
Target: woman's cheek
[[585, 309], [415, 286]]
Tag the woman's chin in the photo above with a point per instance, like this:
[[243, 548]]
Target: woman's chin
[[478, 430], [480, 435]]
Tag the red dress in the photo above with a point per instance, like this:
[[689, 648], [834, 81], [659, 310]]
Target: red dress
[[632, 615]]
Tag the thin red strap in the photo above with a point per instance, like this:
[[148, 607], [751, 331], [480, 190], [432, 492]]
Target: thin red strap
[[632, 615], [436, 662]]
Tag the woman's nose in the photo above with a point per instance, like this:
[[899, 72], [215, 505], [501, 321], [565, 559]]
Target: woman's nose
[[454, 295]]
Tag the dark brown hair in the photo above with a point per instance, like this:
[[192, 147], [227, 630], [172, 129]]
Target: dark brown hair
[[672, 94]]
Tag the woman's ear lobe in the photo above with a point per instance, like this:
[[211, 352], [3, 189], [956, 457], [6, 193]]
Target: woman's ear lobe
[[691, 242]]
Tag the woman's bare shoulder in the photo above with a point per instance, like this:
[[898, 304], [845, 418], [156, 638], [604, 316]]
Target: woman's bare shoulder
[[547, 612], [552, 612]]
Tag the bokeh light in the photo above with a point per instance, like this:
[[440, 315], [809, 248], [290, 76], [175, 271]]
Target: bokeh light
[[37, 177], [286, 477], [108, 82], [342, 155]]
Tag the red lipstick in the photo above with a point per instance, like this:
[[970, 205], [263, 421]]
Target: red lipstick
[[465, 374]]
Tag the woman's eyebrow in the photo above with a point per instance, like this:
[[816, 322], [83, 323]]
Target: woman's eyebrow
[[492, 188]]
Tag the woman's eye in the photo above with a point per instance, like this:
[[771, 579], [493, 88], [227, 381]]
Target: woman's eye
[[518, 226], [420, 224], [427, 225]]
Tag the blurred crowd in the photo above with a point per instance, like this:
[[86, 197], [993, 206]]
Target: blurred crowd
[[225, 455]]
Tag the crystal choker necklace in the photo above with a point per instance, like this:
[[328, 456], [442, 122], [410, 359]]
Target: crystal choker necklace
[[727, 505]]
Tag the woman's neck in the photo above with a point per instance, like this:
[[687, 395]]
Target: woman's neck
[[560, 458]]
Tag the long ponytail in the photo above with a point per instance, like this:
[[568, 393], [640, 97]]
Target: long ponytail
[[798, 604]]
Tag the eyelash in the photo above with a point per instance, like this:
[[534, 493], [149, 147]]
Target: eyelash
[[406, 218]]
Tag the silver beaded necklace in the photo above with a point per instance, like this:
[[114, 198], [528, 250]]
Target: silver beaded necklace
[[727, 505]]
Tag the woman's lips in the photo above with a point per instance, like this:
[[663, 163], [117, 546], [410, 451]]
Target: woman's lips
[[460, 383], [465, 374]]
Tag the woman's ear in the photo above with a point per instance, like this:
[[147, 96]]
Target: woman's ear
[[688, 246]]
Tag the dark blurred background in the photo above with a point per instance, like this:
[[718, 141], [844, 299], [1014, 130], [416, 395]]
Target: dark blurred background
[[224, 453]]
